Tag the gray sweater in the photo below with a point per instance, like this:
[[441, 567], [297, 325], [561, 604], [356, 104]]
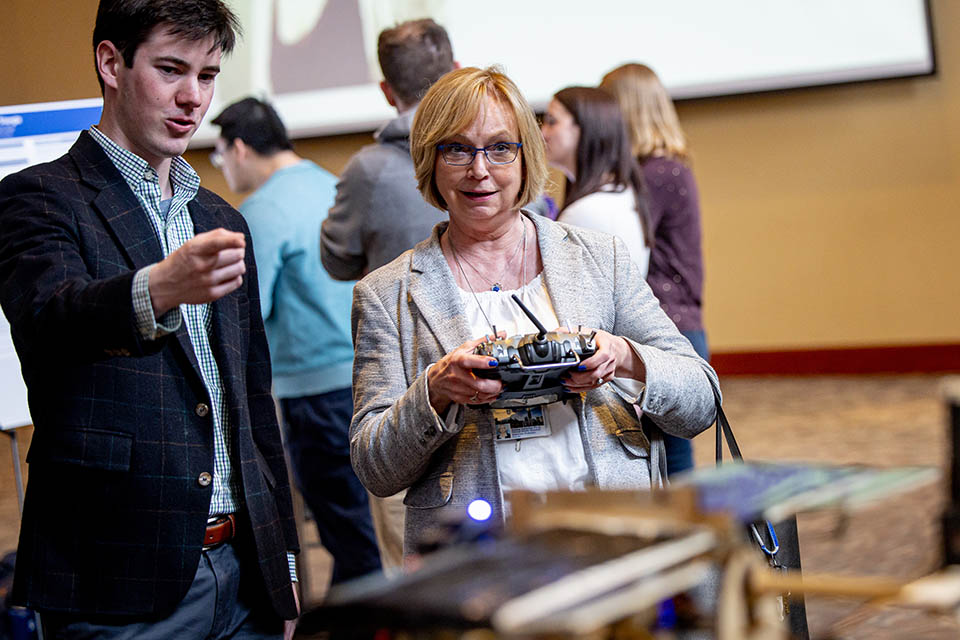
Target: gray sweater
[[378, 212], [408, 314]]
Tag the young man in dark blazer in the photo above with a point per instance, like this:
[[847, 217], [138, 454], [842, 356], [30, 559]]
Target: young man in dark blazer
[[158, 503]]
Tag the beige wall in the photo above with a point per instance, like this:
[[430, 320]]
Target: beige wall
[[830, 215]]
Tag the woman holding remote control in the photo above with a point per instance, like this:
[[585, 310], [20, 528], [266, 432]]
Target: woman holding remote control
[[422, 417]]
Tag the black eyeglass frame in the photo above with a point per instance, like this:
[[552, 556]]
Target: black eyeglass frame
[[473, 155]]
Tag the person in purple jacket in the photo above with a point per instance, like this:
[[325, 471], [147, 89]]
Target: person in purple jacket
[[676, 259]]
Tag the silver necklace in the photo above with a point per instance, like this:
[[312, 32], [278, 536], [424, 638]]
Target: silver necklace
[[523, 270], [497, 286]]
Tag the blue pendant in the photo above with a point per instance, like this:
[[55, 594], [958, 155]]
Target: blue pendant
[[496, 286]]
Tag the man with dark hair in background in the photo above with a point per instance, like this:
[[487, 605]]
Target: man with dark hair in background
[[307, 318], [378, 213], [158, 504]]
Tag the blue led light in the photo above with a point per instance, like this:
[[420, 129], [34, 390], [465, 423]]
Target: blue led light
[[479, 510]]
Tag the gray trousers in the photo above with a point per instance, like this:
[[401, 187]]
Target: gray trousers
[[214, 608]]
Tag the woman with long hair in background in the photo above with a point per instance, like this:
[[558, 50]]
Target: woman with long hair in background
[[673, 206], [586, 139]]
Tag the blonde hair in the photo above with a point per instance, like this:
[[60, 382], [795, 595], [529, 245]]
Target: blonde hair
[[648, 111], [451, 105]]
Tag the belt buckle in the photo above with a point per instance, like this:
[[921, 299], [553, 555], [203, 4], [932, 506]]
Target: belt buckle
[[220, 519]]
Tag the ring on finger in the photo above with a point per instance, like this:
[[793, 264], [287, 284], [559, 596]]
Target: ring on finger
[[600, 381], [475, 397]]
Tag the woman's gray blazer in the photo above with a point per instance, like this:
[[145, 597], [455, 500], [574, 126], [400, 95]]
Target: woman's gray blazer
[[408, 314]]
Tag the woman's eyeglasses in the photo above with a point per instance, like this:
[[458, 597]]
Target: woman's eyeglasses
[[459, 154]]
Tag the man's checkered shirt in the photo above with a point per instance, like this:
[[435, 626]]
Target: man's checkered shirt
[[174, 226]]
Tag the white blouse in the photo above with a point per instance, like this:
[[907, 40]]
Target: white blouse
[[614, 212], [544, 463]]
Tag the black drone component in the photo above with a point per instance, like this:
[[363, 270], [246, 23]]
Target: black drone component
[[533, 366]]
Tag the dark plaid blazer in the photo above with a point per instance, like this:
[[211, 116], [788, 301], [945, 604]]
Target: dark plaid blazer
[[114, 515]]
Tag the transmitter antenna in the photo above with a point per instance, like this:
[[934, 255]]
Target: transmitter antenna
[[542, 330]]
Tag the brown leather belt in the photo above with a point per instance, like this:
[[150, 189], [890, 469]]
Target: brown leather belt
[[220, 529]]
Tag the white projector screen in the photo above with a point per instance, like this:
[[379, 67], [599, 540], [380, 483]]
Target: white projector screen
[[316, 59]]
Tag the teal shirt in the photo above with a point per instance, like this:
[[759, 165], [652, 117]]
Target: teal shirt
[[306, 313]]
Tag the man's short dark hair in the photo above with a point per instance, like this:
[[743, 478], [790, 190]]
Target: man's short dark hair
[[128, 23], [413, 55], [256, 123]]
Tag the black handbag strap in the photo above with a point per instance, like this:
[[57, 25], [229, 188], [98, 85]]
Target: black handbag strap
[[724, 428], [725, 432]]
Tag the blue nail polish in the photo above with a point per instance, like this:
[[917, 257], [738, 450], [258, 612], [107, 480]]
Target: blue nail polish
[[494, 363], [581, 368]]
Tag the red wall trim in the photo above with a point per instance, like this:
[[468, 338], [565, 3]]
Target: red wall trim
[[931, 358]]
